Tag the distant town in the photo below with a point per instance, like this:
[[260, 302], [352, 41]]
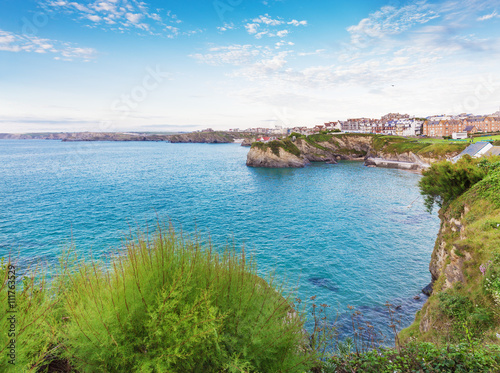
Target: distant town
[[452, 126]]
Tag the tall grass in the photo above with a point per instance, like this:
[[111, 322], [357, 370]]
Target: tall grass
[[27, 339], [164, 304]]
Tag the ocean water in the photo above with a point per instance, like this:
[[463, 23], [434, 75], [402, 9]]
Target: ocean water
[[348, 234]]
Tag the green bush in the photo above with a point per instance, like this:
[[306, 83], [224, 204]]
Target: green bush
[[444, 181], [419, 357], [170, 305], [27, 341]]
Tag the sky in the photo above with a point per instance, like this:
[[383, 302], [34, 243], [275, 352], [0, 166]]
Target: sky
[[127, 65]]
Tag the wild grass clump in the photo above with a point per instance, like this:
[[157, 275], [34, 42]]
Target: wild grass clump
[[171, 305], [26, 338], [275, 146], [419, 357]]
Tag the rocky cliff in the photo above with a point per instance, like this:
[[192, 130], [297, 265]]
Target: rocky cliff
[[376, 150], [265, 157], [204, 137], [192, 137], [464, 262]]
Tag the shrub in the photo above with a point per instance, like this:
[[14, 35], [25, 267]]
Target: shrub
[[419, 357], [27, 341], [444, 181], [172, 305]]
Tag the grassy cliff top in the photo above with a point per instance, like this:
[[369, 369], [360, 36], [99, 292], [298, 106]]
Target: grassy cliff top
[[469, 310], [428, 148]]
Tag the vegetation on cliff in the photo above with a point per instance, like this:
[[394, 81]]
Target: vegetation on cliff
[[465, 304], [205, 137], [398, 145], [166, 304], [275, 146], [356, 145]]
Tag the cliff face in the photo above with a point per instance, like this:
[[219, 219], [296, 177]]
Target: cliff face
[[203, 137], [465, 257], [376, 150], [192, 137], [447, 265], [259, 157]]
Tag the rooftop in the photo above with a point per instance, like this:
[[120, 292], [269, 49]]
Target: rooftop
[[473, 149]]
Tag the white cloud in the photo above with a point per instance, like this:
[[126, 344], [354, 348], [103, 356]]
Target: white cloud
[[252, 27], [282, 33], [118, 15], [265, 25], [390, 21], [489, 16], [296, 23], [266, 19], [236, 55], [134, 17], [94, 18], [12, 42], [227, 26]]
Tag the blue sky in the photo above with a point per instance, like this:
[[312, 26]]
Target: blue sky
[[123, 65]]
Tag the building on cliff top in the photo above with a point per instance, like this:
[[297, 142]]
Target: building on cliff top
[[476, 150], [494, 151]]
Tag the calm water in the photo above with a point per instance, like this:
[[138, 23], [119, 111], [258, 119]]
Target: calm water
[[342, 232]]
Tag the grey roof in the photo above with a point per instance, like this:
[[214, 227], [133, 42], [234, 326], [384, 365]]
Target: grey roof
[[494, 151], [468, 128], [473, 149]]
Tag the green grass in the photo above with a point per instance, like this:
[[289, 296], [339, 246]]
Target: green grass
[[485, 138], [419, 357], [275, 146], [440, 150], [165, 304], [439, 141], [469, 311]]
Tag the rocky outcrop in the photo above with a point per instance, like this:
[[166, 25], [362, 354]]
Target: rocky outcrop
[[447, 262], [448, 259], [248, 141], [265, 157], [220, 137], [330, 148], [203, 137]]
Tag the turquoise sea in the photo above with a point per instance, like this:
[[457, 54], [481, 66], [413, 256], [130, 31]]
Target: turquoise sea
[[349, 234]]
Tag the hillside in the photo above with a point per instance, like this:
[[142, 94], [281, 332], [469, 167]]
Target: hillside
[[465, 267], [329, 147], [191, 137]]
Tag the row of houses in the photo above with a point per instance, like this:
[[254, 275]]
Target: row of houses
[[459, 126], [449, 126], [390, 124], [400, 126]]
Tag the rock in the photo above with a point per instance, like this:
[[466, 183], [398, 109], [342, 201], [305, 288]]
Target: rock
[[248, 142], [427, 290], [356, 147], [416, 297], [258, 157], [370, 162]]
